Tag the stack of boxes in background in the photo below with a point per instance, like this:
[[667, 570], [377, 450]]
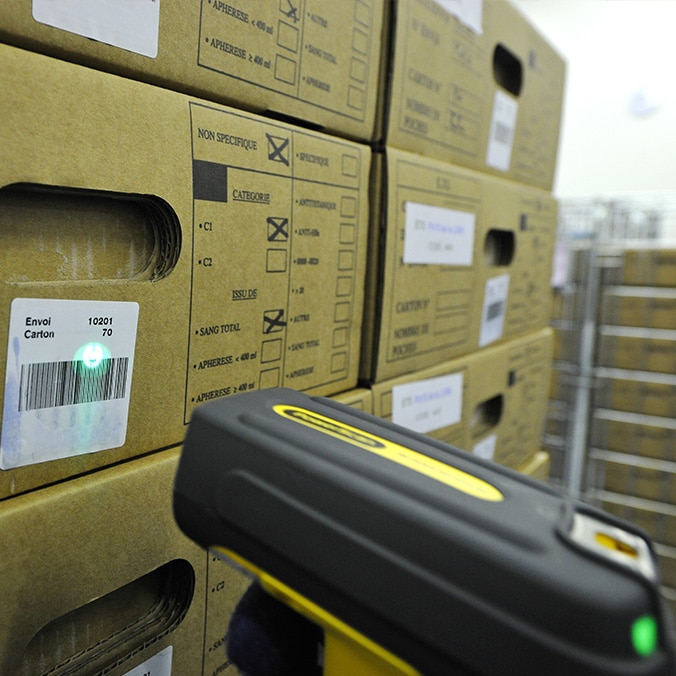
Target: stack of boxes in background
[[190, 207], [632, 461], [611, 411], [458, 294]]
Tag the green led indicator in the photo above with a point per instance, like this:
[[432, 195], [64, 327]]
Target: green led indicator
[[644, 635]]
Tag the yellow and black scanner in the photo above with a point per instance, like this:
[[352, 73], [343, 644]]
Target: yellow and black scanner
[[413, 556]]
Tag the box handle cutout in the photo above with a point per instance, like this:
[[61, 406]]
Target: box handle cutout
[[499, 247], [115, 627], [486, 415], [55, 234], [507, 70]]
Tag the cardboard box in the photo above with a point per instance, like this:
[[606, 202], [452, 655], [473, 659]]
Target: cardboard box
[[491, 402], [485, 94], [459, 260], [637, 349], [566, 344], [667, 559], [225, 586], [564, 384], [635, 434], [633, 476], [646, 307], [649, 394], [360, 398], [567, 306], [656, 518], [159, 251], [316, 62], [95, 571], [538, 466], [560, 417], [648, 265]]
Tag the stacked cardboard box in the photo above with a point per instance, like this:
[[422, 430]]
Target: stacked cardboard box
[[193, 250], [164, 245], [317, 63], [464, 227], [633, 427], [159, 250]]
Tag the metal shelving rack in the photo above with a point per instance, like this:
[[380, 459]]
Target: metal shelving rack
[[594, 237]]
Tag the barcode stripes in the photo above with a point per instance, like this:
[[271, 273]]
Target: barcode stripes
[[63, 383], [494, 310], [502, 133]]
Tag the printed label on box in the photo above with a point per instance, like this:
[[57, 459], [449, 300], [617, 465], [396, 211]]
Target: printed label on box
[[468, 12], [68, 378], [428, 405], [501, 135], [494, 309], [159, 665], [133, 25], [435, 235], [486, 447]]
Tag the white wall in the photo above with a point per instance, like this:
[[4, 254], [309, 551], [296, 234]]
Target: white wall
[[614, 50]]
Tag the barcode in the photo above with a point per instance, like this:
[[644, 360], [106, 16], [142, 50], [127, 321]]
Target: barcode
[[63, 383], [494, 310], [502, 133]]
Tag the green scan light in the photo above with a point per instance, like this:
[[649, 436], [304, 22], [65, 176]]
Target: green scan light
[[92, 355], [644, 635]]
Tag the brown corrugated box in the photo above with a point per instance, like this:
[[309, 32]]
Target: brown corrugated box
[[360, 398], [647, 265], [491, 402], [634, 477], [566, 344], [657, 518], [486, 94], [644, 393], [459, 260], [538, 466], [95, 573], [635, 434], [316, 62], [637, 349], [217, 250], [648, 307]]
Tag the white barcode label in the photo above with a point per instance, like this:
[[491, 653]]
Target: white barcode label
[[494, 309], [159, 665], [438, 236], [486, 447], [469, 12], [430, 404], [68, 378], [501, 135], [133, 25]]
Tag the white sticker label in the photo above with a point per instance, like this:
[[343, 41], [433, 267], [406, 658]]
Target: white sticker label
[[486, 447], [501, 135], [68, 378], [159, 665], [427, 405], [494, 309], [133, 25], [561, 265], [438, 236], [468, 12]]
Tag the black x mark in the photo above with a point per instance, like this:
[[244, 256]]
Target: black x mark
[[273, 321], [277, 146], [278, 229]]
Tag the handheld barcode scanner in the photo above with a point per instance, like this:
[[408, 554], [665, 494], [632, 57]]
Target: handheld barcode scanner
[[414, 556]]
